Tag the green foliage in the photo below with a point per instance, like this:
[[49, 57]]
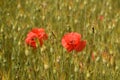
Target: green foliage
[[51, 61]]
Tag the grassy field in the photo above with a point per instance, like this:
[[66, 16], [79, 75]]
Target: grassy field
[[98, 21]]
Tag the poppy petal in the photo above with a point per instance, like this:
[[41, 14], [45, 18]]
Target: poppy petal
[[80, 46]]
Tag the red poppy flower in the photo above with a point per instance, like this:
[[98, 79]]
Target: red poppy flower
[[93, 56], [30, 39], [37, 33], [41, 34], [101, 17], [72, 41]]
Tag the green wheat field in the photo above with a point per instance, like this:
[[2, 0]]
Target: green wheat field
[[98, 21]]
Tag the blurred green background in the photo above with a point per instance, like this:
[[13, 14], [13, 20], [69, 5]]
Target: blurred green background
[[98, 21]]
